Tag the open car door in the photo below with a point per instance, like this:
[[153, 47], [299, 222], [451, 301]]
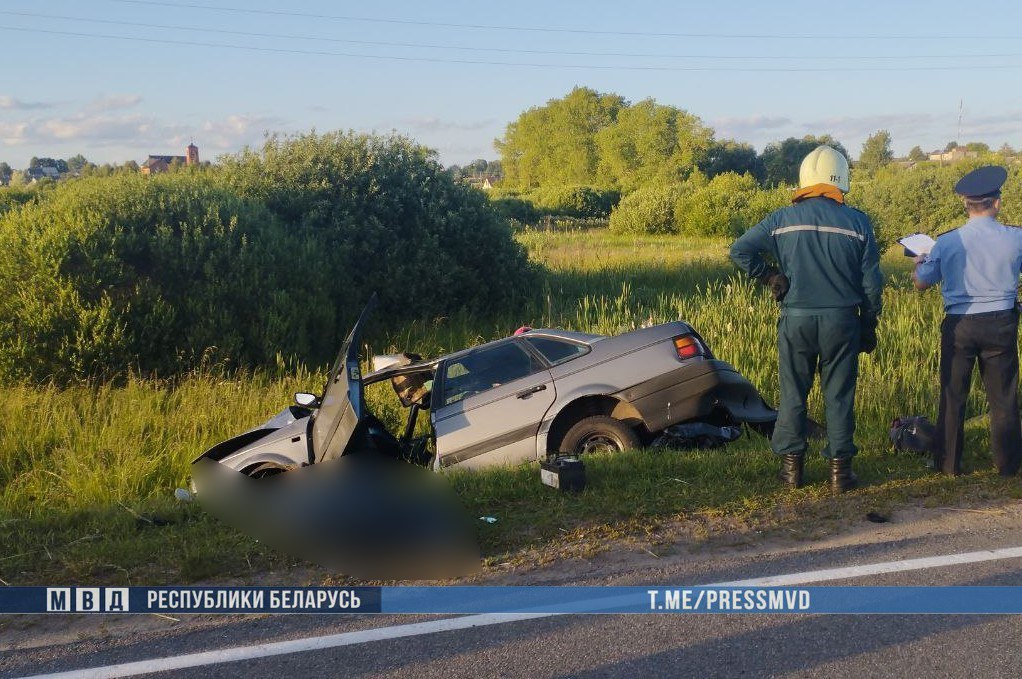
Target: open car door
[[342, 405]]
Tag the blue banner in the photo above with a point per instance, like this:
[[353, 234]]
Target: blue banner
[[189, 600], [657, 599]]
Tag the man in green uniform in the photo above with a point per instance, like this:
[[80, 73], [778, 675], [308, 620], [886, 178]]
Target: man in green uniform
[[827, 280]]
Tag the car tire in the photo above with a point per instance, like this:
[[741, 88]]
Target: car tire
[[599, 433]]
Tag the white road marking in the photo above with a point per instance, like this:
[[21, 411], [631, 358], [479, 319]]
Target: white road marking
[[876, 568], [464, 622], [179, 662]]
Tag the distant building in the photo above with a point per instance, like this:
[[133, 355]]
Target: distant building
[[485, 182], [34, 174], [157, 164], [957, 153]]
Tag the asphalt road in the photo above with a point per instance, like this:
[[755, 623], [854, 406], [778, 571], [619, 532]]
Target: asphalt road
[[617, 646]]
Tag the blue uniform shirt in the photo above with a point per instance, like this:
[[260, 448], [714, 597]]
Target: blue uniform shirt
[[979, 265]]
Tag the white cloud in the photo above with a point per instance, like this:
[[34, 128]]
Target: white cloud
[[12, 133], [441, 125], [114, 102], [755, 122], [846, 127], [235, 131], [92, 129], [11, 104], [102, 130], [1001, 125]]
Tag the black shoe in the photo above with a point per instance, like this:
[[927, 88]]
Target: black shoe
[[791, 470], [841, 476]]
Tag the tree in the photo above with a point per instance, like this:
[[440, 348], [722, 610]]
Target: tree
[[781, 160], [1006, 150], [731, 156], [77, 163], [648, 141], [58, 163], [477, 166], [916, 154], [950, 146], [556, 143], [876, 152], [977, 147], [5, 173]]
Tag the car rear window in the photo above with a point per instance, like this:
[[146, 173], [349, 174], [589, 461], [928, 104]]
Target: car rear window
[[556, 350]]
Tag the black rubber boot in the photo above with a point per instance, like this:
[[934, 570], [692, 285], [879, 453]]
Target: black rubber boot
[[791, 469], [841, 476]]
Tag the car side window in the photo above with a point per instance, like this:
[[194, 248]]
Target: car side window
[[486, 369], [556, 350]]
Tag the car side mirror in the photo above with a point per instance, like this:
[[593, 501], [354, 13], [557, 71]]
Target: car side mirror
[[306, 399]]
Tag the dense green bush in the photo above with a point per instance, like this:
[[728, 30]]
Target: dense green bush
[[650, 209], [585, 202], [1011, 197], [921, 198], [514, 207], [130, 272], [576, 202], [275, 252], [726, 205], [899, 201], [392, 220], [12, 197]]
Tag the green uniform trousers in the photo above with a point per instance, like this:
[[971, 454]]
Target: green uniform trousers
[[808, 339]]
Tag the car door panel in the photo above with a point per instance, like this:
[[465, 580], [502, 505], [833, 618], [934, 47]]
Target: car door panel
[[497, 425]]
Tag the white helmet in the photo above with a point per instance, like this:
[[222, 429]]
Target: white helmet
[[824, 165]]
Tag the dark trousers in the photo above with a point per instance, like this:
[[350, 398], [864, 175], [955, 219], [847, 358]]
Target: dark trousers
[[992, 338], [829, 342]]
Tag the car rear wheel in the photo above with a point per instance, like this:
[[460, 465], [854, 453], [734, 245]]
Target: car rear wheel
[[599, 434]]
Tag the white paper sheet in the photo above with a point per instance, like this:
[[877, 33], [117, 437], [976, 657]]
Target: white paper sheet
[[918, 243]]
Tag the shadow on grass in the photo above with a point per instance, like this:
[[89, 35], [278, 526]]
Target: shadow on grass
[[665, 499]]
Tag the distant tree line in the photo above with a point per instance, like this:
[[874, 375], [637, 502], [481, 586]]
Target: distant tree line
[[477, 169], [588, 138], [655, 168]]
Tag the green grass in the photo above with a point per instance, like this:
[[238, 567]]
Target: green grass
[[84, 471]]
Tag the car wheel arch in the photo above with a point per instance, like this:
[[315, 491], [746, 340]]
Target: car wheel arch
[[264, 460], [588, 406]]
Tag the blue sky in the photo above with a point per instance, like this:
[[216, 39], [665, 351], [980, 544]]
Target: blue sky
[[148, 76]]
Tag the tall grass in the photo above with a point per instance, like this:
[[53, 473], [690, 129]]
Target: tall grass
[[98, 446]]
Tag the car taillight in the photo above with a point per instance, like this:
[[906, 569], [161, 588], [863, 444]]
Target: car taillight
[[688, 346]]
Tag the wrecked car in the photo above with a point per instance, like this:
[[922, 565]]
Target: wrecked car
[[527, 397]]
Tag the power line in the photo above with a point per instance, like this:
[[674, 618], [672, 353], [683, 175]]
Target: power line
[[376, 43], [600, 67], [543, 29]]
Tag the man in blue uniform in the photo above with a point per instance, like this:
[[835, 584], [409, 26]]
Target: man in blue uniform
[[978, 267], [830, 287]]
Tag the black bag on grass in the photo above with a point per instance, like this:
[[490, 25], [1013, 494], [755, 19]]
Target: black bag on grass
[[915, 434]]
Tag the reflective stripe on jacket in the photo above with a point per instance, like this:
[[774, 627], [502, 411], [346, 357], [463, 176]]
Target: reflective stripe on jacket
[[827, 250]]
